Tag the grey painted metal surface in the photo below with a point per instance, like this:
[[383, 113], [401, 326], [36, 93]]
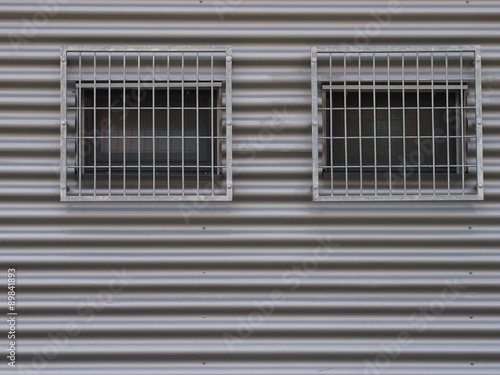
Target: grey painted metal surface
[[270, 283]]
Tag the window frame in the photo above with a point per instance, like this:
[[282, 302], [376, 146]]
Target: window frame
[[221, 126], [317, 92]]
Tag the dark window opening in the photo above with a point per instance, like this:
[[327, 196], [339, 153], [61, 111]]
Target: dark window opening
[[383, 135], [125, 131]]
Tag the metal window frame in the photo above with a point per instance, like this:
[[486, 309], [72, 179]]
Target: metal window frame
[[316, 91], [227, 124]]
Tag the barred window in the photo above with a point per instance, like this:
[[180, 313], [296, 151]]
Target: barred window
[[146, 123], [396, 123]]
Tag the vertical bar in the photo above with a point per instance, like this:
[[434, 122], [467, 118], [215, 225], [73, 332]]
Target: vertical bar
[[418, 130], [153, 138], [360, 128], [168, 123], [124, 138], [139, 124], [80, 124], [229, 117], [404, 118], [331, 123], [109, 123], [95, 124], [315, 124], [479, 124], [462, 122], [197, 123], [374, 127], [212, 120], [447, 125], [389, 122], [345, 128], [182, 121], [63, 183], [433, 125]]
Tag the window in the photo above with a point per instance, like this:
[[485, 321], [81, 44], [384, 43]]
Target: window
[[376, 125], [199, 125], [398, 124], [146, 124]]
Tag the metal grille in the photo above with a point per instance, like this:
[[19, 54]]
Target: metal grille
[[396, 123], [146, 123]]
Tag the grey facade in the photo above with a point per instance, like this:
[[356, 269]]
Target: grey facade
[[270, 282]]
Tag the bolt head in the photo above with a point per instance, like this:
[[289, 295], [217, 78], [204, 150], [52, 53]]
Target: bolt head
[[229, 186], [480, 185], [315, 123], [314, 60], [229, 59]]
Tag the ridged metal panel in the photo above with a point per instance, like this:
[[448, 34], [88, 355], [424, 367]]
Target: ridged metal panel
[[270, 283]]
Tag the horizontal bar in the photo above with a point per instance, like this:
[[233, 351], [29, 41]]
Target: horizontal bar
[[151, 108], [370, 87], [113, 165], [142, 48], [385, 166], [151, 198], [398, 137], [395, 197], [151, 137], [372, 49], [187, 85], [340, 108]]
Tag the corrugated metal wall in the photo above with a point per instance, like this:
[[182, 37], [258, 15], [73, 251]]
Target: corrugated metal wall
[[270, 283]]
